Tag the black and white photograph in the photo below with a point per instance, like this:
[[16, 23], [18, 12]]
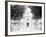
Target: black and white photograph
[[25, 18]]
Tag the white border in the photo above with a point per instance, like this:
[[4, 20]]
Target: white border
[[32, 4]]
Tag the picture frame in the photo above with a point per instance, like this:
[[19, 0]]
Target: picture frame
[[10, 5]]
